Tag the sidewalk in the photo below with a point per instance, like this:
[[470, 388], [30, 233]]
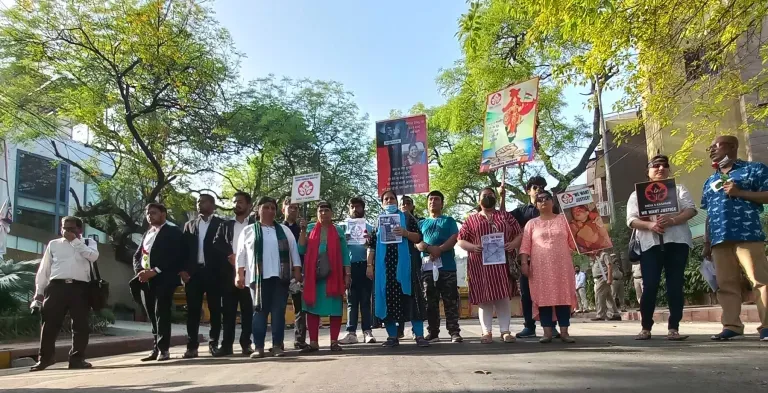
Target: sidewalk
[[690, 314], [120, 338]]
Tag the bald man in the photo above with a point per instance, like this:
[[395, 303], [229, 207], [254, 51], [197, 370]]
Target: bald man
[[734, 197]]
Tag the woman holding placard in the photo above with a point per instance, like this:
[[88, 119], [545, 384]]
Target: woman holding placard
[[490, 286], [665, 242], [396, 263], [547, 262]]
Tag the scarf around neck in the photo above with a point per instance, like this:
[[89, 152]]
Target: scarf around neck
[[403, 269], [258, 262], [334, 283]]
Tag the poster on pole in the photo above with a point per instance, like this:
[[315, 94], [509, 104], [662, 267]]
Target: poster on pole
[[584, 221], [509, 134], [306, 188], [657, 197], [401, 155]]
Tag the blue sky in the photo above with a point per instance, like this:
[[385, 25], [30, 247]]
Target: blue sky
[[387, 53]]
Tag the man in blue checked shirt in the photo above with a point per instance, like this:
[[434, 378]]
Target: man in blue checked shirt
[[734, 197]]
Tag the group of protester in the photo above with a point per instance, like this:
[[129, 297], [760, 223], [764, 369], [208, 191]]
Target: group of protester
[[254, 263]]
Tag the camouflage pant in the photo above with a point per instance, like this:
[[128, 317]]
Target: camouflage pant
[[447, 289]]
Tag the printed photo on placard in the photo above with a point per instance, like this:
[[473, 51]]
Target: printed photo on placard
[[657, 198]]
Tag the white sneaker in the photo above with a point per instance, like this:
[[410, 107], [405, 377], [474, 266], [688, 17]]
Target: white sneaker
[[350, 338], [368, 337]]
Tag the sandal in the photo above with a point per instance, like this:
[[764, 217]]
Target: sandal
[[545, 340], [507, 337], [310, 348], [674, 335], [335, 347], [567, 339], [643, 335], [486, 339]]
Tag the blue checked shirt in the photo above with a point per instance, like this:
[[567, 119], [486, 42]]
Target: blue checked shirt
[[735, 219]]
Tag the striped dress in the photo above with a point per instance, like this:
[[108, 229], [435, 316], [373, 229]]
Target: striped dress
[[488, 283]]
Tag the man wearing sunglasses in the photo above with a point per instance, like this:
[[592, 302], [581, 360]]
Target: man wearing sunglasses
[[523, 214], [734, 197]]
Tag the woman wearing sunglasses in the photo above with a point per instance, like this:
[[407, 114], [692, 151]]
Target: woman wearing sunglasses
[[546, 261], [665, 242]]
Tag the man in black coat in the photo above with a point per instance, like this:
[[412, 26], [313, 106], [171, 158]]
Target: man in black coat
[[227, 239], [157, 263], [204, 274]]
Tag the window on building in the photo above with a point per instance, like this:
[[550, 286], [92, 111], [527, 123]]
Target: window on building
[[697, 64], [42, 187], [36, 219]]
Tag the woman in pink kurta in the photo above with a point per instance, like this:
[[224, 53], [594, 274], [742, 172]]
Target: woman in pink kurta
[[547, 262]]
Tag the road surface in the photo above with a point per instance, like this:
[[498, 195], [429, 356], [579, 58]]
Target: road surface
[[605, 359]]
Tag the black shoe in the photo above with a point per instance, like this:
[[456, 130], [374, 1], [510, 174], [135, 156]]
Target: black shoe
[[299, 345], [433, 338], [213, 348], [190, 354], [220, 352], [456, 338], [152, 356], [79, 365], [615, 318], [246, 351], [597, 319], [40, 366], [163, 356]]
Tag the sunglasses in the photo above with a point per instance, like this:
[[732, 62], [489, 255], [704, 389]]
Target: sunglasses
[[658, 165], [543, 199], [718, 145]]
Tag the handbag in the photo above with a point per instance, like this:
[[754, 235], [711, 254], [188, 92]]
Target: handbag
[[323, 269], [98, 289], [513, 266], [634, 250]]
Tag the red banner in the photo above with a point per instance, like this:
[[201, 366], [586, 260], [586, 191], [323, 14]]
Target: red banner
[[401, 155]]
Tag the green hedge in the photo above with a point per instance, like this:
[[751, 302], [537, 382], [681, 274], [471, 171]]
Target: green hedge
[[25, 325]]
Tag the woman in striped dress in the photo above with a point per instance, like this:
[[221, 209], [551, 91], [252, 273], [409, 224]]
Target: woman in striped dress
[[490, 285]]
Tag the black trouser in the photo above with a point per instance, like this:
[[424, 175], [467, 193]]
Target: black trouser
[[359, 298], [232, 298], [446, 288], [527, 302], [563, 314], [209, 283], [300, 319], [60, 298], [158, 301], [673, 259]]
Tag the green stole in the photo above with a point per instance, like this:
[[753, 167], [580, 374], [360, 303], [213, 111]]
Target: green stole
[[258, 264]]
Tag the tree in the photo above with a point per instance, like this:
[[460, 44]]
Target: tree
[[147, 77], [687, 55], [495, 54], [287, 128]]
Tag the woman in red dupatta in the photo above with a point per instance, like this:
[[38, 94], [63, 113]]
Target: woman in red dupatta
[[323, 296]]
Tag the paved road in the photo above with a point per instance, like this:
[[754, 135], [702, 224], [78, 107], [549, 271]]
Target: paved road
[[605, 359]]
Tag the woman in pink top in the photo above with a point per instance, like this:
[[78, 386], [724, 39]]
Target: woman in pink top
[[547, 262]]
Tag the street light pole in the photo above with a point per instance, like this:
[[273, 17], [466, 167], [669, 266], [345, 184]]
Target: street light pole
[[604, 133]]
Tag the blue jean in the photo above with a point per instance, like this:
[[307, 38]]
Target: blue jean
[[359, 298], [274, 300], [563, 316], [417, 327]]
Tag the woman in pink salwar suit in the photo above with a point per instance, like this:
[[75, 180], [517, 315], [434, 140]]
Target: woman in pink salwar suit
[[547, 262]]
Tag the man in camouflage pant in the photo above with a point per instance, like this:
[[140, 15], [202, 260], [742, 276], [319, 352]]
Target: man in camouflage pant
[[440, 236]]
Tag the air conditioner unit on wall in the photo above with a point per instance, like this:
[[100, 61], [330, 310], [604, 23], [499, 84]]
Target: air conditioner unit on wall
[[604, 209]]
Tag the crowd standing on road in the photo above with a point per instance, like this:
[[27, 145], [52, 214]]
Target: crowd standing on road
[[254, 263]]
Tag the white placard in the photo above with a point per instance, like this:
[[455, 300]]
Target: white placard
[[388, 222], [356, 229], [427, 263], [305, 188], [577, 197], [493, 249]]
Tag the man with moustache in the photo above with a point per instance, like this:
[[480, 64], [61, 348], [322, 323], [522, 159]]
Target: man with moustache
[[204, 274], [734, 197], [226, 241]]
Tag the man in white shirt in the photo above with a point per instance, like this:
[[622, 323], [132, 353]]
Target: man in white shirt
[[62, 286], [581, 290], [204, 275], [226, 241], [266, 270]]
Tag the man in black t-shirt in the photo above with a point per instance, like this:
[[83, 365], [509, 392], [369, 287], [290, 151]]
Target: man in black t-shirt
[[523, 214]]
